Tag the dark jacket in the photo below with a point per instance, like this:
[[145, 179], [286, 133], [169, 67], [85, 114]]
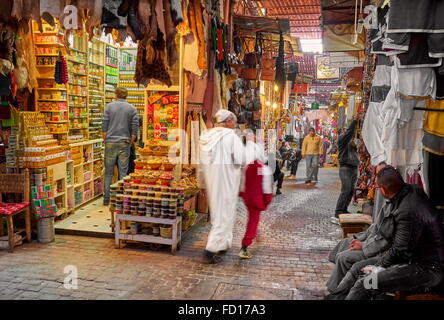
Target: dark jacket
[[418, 231], [348, 156]]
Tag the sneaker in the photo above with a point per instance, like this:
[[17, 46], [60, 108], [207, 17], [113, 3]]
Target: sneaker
[[278, 192], [244, 254], [334, 220]]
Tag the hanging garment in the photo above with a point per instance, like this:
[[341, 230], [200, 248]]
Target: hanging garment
[[433, 177], [110, 16], [176, 12], [196, 24], [25, 51], [416, 16], [172, 55], [433, 140], [195, 142], [195, 90], [418, 54], [186, 151], [191, 53], [144, 13], [202, 125]]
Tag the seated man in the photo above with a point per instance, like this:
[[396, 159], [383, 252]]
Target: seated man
[[375, 240], [415, 260]]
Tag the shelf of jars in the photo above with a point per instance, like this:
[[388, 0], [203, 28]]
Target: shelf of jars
[[96, 92], [127, 67], [51, 98], [78, 87], [111, 72]]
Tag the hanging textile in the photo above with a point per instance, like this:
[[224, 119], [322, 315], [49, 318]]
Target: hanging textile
[[195, 140], [434, 177], [280, 71], [186, 151]]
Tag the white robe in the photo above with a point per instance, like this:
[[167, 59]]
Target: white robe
[[222, 154]]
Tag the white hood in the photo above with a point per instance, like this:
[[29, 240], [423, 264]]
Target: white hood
[[211, 137]]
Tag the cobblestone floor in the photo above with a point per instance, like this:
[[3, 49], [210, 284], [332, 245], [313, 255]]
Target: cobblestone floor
[[290, 261]]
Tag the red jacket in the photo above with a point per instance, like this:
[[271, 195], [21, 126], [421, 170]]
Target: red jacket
[[256, 187]]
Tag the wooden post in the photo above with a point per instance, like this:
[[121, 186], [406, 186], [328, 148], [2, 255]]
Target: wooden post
[[117, 232], [10, 223]]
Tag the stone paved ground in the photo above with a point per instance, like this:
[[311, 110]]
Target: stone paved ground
[[290, 261]]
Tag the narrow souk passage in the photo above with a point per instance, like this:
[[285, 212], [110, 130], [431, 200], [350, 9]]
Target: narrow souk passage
[[290, 261]]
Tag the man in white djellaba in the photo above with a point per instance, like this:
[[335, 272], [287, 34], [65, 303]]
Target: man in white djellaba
[[222, 155]]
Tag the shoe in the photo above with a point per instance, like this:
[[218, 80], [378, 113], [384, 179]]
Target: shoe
[[278, 192], [244, 254], [314, 182], [222, 252], [307, 181], [211, 258], [334, 220], [105, 202]]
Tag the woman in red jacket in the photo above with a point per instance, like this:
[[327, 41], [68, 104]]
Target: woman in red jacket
[[257, 195]]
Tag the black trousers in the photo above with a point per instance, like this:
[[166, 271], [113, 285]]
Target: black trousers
[[132, 157], [294, 168], [279, 177], [348, 176]]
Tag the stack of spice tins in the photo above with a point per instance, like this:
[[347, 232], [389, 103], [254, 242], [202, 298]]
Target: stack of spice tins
[[146, 200]]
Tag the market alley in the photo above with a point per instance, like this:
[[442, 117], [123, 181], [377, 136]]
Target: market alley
[[290, 261]]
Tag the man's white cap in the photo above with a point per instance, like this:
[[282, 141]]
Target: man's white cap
[[223, 115]]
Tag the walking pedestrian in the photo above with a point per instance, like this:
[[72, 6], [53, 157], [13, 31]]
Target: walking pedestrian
[[119, 131], [311, 151], [222, 154], [325, 145], [348, 169], [256, 191], [294, 159]]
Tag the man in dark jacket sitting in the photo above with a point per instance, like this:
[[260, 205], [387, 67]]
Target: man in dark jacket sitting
[[415, 259], [348, 169]]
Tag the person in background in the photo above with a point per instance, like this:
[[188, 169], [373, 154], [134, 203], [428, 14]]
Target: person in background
[[311, 151], [325, 145], [119, 131], [295, 157], [256, 191], [278, 175], [222, 154], [131, 166], [348, 169]]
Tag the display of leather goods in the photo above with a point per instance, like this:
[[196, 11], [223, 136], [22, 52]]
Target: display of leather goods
[[268, 75], [251, 59], [268, 63], [249, 73]]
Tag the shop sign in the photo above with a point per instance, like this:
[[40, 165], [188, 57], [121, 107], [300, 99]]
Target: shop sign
[[324, 70]]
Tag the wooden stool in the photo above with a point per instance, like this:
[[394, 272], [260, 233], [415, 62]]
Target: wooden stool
[[400, 295], [353, 223], [15, 183]]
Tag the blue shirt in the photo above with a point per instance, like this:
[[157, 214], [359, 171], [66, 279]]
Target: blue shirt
[[120, 121]]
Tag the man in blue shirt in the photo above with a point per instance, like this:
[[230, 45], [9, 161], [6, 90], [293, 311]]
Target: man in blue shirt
[[119, 131]]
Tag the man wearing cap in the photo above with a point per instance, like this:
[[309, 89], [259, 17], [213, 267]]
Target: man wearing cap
[[222, 154]]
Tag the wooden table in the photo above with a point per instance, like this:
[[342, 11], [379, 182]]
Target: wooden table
[[174, 242]]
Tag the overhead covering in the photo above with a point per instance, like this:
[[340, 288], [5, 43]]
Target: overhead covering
[[304, 15], [338, 19], [270, 28]]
